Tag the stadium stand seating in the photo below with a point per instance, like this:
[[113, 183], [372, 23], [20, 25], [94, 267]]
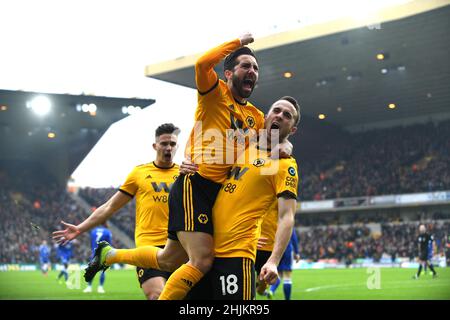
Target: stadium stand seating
[[29, 196], [384, 161]]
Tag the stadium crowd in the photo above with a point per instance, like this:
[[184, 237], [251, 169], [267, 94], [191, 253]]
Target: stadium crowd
[[383, 161], [357, 241], [386, 161], [46, 206], [379, 216], [397, 238], [124, 219], [32, 206]]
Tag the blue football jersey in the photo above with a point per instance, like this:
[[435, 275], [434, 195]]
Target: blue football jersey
[[65, 252], [44, 253], [100, 234]]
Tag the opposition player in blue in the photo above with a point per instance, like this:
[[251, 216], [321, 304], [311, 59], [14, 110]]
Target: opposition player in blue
[[64, 252], [285, 268], [44, 257], [100, 233]]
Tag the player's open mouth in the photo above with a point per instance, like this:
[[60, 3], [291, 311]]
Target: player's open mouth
[[248, 84], [274, 126]]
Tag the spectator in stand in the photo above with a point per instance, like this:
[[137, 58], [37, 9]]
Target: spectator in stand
[[384, 161], [29, 195]]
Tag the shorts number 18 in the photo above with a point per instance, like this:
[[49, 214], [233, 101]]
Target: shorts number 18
[[229, 284]]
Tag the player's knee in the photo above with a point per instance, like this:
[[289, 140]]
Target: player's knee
[[153, 287], [171, 259], [170, 265], [167, 262], [153, 295], [204, 261]]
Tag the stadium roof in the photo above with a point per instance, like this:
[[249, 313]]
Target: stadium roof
[[106, 61], [65, 118], [335, 71], [26, 135]]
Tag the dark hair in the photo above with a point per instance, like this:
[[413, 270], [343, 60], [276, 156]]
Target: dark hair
[[231, 60], [166, 128], [295, 104]]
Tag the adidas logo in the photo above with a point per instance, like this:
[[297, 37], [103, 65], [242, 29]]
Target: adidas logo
[[188, 282], [148, 177]]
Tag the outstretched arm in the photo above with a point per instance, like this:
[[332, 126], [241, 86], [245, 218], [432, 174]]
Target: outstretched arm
[[99, 216], [205, 76], [286, 212]]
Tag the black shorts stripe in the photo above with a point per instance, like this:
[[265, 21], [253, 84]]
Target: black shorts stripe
[[191, 204], [190, 208], [188, 205], [251, 272], [244, 280], [249, 279], [185, 206]]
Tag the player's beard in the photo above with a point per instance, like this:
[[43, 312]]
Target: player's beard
[[238, 85]]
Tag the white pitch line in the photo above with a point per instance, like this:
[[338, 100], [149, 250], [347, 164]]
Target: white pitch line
[[326, 287], [405, 285]]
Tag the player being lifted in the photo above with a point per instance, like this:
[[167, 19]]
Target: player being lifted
[[221, 106], [149, 184], [238, 214], [237, 217]]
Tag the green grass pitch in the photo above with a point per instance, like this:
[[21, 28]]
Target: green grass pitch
[[337, 284]]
